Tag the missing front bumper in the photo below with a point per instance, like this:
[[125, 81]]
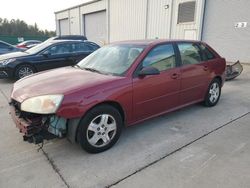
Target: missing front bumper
[[36, 127]]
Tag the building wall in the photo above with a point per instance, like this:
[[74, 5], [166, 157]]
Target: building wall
[[74, 20], [60, 16], [90, 8], [159, 19], [64, 26], [219, 28], [127, 19], [95, 27], [140, 19], [181, 31]]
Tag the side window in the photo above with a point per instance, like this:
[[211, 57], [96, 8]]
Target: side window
[[161, 57], [190, 53], [81, 47], [92, 47], [60, 49], [208, 55]]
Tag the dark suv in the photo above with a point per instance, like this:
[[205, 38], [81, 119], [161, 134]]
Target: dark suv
[[47, 55]]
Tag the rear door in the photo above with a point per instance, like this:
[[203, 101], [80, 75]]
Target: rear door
[[157, 93], [80, 51], [194, 71]]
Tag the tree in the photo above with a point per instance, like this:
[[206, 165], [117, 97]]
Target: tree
[[21, 28]]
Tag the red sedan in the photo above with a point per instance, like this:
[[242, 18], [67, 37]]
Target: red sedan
[[118, 85]]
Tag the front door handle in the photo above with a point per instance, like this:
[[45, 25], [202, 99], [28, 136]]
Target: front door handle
[[205, 68], [175, 76]]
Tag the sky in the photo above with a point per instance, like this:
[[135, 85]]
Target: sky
[[36, 11]]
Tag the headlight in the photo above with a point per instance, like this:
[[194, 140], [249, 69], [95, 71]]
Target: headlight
[[47, 104], [7, 61]]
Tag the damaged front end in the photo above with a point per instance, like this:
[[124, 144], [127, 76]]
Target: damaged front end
[[37, 127]]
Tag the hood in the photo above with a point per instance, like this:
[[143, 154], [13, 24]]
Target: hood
[[59, 81], [13, 55]]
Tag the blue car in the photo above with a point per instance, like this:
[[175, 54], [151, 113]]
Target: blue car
[[7, 48]]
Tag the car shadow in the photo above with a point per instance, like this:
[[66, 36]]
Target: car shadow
[[7, 81]]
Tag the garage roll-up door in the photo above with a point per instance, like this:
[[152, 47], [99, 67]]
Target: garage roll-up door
[[64, 26], [95, 27]]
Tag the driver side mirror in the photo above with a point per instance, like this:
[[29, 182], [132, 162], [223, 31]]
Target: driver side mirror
[[46, 53], [146, 71]]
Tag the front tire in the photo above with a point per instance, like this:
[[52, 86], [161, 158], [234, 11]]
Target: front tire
[[100, 129], [213, 93], [23, 71]]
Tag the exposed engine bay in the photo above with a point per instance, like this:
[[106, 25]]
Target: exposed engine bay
[[37, 127]]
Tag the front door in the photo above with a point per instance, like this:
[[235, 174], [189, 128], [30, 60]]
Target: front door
[[80, 51], [157, 93], [59, 55]]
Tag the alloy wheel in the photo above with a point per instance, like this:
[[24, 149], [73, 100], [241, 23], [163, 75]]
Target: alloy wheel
[[101, 130], [214, 92], [25, 71]]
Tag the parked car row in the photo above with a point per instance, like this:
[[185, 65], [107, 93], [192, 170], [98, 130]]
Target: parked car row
[[47, 55], [118, 85], [8, 48], [28, 44]]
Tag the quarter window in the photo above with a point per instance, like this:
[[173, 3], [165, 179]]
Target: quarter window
[[208, 55], [81, 47], [190, 53], [161, 57]]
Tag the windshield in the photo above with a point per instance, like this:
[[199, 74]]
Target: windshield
[[38, 48], [112, 59]]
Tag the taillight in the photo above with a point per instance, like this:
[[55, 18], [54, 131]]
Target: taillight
[[21, 46]]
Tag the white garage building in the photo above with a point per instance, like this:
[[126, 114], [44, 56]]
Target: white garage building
[[221, 23]]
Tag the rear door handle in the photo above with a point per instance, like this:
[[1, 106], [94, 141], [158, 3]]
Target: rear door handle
[[175, 76], [205, 68]]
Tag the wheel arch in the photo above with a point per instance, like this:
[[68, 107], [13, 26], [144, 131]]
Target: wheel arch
[[22, 64], [73, 124], [218, 78]]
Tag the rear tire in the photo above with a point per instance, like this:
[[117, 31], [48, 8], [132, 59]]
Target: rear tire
[[100, 129], [23, 71], [213, 93]]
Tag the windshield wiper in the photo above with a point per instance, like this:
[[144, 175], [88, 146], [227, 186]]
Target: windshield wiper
[[77, 66], [93, 70]]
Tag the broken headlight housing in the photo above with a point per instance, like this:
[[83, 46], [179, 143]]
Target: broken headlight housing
[[47, 104]]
